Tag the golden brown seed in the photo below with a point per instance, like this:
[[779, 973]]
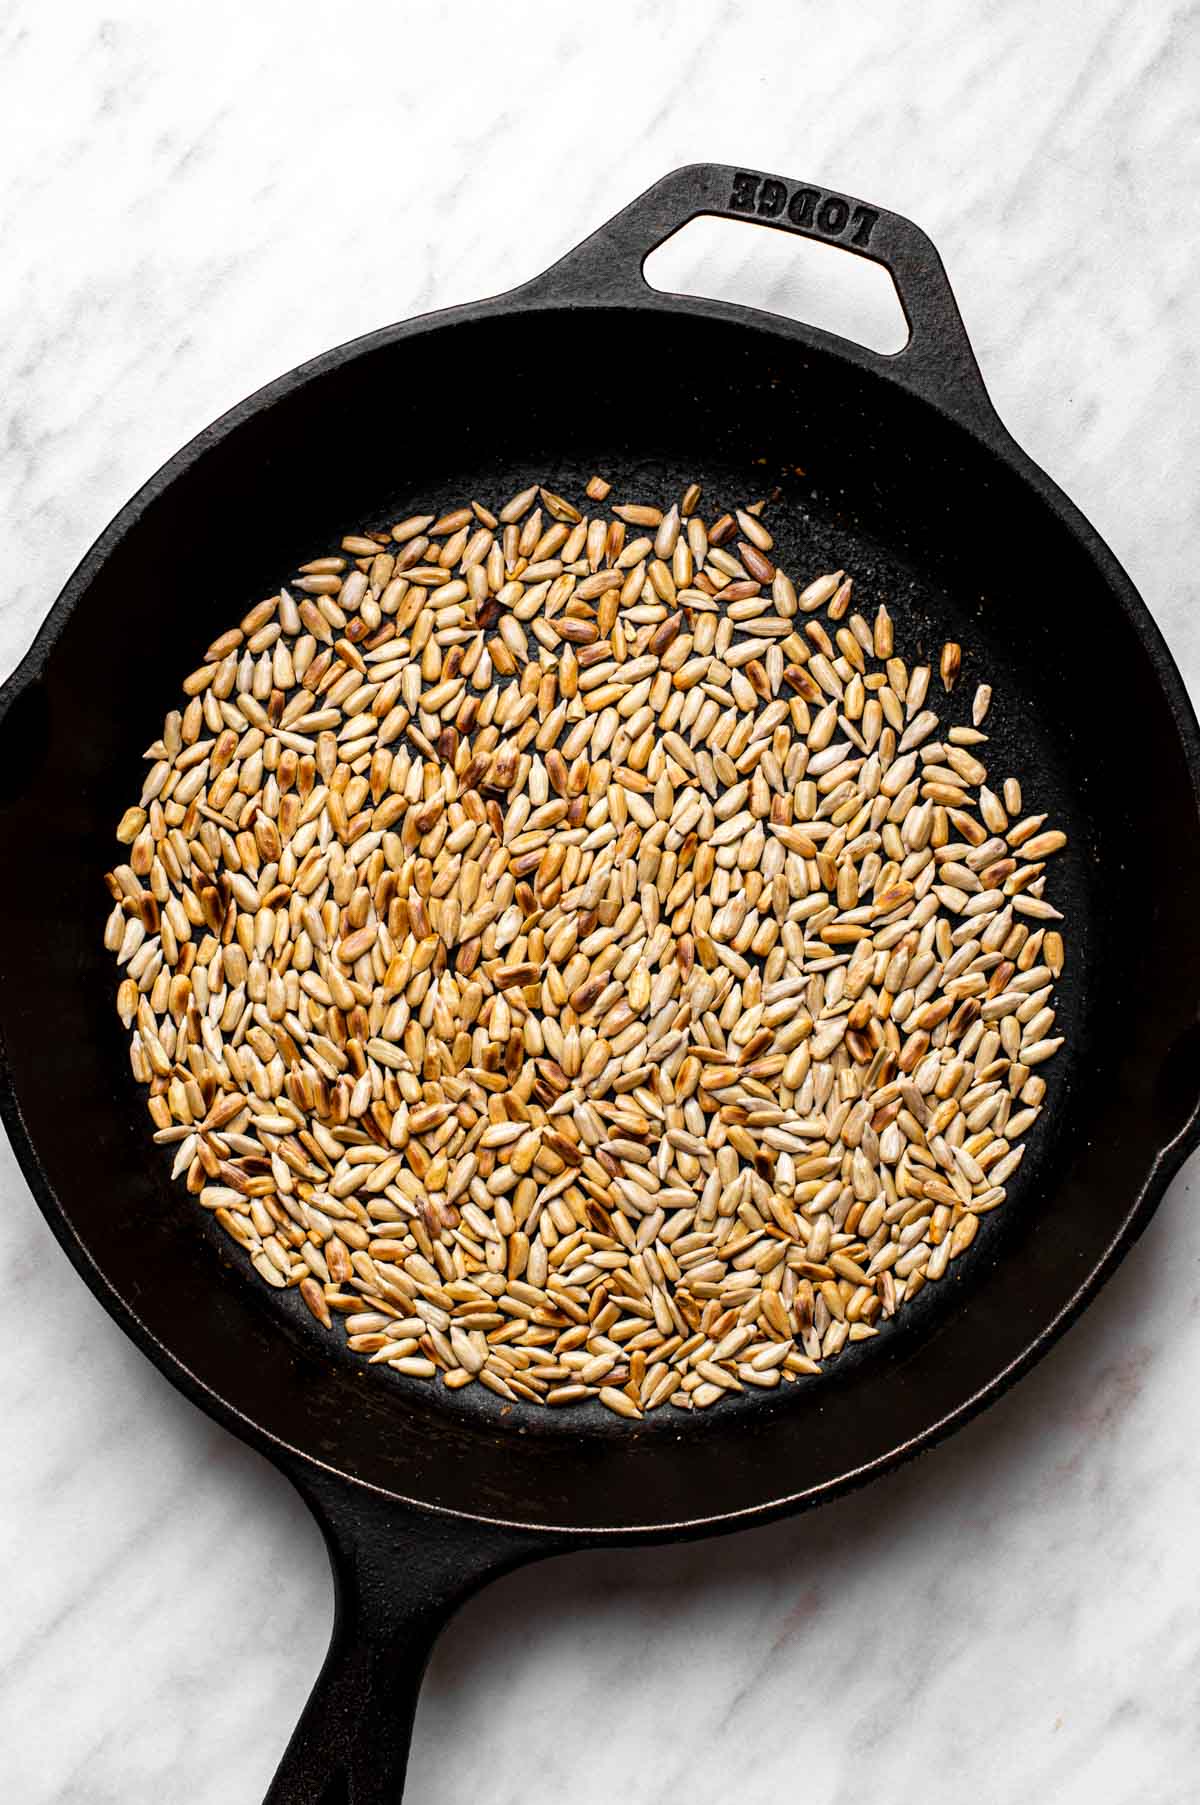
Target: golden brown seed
[[575, 968]]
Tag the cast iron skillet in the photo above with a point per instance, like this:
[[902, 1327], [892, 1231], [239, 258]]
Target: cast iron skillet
[[896, 468]]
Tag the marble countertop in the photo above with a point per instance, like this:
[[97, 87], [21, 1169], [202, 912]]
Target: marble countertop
[[195, 199]]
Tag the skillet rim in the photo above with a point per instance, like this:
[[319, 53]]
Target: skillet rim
[[981, 423]]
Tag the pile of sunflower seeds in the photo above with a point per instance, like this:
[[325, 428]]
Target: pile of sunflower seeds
[[579, 961]]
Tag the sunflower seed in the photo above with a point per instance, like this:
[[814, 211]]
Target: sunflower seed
[[568, 977]]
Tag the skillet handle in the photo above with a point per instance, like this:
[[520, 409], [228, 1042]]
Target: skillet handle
[[937, 363], [399, 1575]]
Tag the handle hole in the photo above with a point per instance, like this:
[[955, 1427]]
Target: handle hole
[[784, 273]]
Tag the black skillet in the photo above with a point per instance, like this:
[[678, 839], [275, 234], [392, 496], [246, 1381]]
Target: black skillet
[[895, 468]]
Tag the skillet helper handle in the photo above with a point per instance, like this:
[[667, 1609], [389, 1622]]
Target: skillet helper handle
[[937, 363], [399, 1575]]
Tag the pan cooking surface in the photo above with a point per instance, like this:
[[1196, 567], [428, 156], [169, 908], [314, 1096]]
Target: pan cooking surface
[[815, 531]]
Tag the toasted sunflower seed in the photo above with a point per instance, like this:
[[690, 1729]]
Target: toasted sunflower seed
[[573, 967]]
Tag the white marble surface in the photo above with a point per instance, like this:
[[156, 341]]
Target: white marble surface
[[193, 199]]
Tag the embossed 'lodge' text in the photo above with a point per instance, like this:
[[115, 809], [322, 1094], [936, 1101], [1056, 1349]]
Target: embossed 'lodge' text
[[808, 208]]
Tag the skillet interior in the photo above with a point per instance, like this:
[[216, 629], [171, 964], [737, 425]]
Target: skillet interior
[[871, 479]]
